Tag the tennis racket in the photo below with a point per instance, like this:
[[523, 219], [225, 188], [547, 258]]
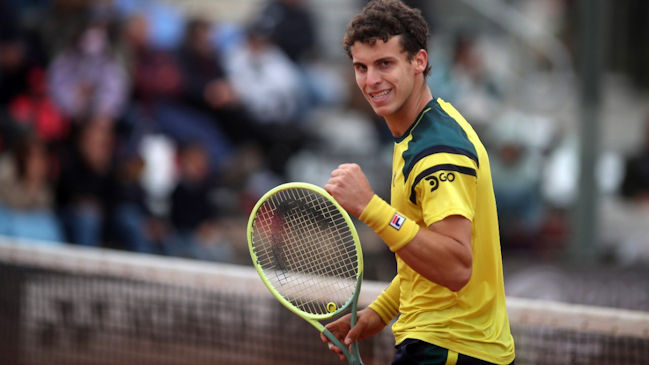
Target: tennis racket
[[306, 250]]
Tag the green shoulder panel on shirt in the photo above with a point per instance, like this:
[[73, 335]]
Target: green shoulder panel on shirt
[[435, 131]]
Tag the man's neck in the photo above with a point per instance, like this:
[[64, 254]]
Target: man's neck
[[399, 122]]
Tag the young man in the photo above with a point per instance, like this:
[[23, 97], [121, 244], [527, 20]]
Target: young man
[[442, 223]]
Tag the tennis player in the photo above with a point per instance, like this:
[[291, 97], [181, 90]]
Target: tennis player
[[448, 293]]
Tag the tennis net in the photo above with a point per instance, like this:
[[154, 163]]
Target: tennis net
[[73, 305]]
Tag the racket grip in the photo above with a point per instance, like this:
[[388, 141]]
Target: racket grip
[[355, 359], [343, 348]]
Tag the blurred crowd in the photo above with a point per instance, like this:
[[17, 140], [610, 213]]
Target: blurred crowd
[[109, 138], [127, 124]]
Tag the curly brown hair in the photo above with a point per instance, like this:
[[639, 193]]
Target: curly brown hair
[[384, 19]]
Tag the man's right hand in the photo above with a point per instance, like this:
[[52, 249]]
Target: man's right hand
[[368, 324], [349, 186]]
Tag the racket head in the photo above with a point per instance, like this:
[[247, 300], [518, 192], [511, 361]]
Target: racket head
[[306, 250]]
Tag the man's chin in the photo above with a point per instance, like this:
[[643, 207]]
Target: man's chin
[[381, 111]]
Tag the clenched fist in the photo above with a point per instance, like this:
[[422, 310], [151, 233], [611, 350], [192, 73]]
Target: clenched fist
[[349, 186]]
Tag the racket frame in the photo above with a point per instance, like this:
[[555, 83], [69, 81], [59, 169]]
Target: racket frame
[[353, 356]]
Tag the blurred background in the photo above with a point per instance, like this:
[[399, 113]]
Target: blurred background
[[137, 135], [154, 126]]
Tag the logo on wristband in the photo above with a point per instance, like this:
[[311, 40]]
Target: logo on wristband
[[397, 221]]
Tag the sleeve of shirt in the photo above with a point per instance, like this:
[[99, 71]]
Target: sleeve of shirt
[[386, 305], [445, 184]]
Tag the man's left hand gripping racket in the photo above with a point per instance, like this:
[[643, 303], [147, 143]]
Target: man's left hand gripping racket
[[306, 250]]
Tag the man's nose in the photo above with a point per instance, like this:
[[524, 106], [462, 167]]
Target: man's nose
[[373, 77]]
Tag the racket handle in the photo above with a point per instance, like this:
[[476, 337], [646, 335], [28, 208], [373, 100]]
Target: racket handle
[[355, 359]]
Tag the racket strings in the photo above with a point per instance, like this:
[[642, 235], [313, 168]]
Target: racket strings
[[311, 246], [338, 255], [304, 245]]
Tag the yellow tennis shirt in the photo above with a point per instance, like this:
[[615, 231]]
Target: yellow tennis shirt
[[440, 168]]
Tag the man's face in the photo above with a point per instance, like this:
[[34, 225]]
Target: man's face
[[384, 74]]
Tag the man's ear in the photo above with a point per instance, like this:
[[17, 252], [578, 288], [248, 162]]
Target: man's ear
[[421, 61]]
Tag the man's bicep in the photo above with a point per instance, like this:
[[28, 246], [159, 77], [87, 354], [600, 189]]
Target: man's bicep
[[456, 227]]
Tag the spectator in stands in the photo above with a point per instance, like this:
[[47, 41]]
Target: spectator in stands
[[205, 84], [187, 97], [24, 99], [290, 25], [35, 109], [132, 224], [155, 80], [208, 89], [635, 185], [58, 23], [276, 94], [85, 183], [516, 172], [86, 80], [464, 78], [20, 51], [26, 201], [154, 73], [261, 63], [194, 213], [158, 84], [14, 66]]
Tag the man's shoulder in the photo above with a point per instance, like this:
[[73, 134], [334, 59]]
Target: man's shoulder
[[437, 132]]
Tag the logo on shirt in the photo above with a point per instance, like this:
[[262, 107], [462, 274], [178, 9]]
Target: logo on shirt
[[397, 221], [434, 181]]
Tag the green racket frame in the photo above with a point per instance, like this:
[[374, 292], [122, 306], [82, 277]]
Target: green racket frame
[[353, 357]]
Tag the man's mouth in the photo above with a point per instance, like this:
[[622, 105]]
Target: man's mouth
[[379, 95]]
